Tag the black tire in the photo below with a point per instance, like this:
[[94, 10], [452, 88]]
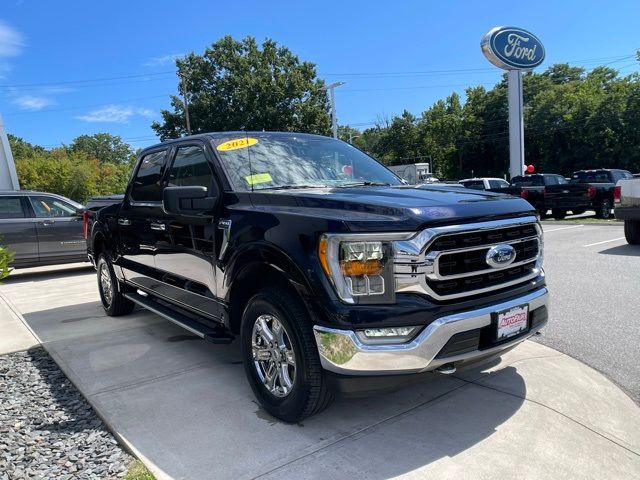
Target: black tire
[[541, 209], [632, 231], [309, 393], [113, 302], [558, 214], [604, 209], [579, 211]]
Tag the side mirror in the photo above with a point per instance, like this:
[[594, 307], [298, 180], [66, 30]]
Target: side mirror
[[188, 201]]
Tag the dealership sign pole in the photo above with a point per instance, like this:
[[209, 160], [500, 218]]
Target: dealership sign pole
[[515, 50]]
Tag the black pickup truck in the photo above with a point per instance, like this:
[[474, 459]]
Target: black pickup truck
[[334, 275], [587, 190], [533, 188]]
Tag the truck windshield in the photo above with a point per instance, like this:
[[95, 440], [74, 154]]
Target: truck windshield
[[595, 176], [261, 161]]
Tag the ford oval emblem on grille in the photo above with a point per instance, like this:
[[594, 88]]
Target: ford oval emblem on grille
[[501, 256]]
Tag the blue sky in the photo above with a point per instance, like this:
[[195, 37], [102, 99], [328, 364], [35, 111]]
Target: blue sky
[[75, 67]]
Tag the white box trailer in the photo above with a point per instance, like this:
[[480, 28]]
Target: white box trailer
[[413, 173]]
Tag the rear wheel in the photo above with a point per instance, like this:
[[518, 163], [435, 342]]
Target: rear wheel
[[559, 214], [604, 210], [632, 231], [281, 358], [113, 302]]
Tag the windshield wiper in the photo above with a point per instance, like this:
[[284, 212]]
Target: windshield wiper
[[366, 184]]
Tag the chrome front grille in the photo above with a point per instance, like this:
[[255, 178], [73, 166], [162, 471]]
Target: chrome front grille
[[447, 263]]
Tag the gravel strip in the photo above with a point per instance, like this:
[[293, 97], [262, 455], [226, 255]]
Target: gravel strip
[[47, 428]]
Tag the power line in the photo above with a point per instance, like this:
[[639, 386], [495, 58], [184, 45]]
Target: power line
[[77, 107]]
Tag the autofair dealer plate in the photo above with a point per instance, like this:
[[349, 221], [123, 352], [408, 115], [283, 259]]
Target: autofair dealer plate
[[512, 322]]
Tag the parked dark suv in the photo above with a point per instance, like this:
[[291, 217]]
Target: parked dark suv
[[41, 228], [333, 273]]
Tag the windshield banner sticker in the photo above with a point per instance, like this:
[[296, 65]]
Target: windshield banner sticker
[[257, 177], [236, 144]]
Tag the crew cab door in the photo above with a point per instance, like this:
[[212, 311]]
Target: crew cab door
[[138, 225], [185, 250], [59, 228]]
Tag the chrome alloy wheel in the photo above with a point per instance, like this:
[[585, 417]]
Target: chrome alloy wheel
[[273, 355], [106, 284]]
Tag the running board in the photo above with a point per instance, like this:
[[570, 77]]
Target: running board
[[203, 331]]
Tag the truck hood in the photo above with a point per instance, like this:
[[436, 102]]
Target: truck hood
[[394, 208]]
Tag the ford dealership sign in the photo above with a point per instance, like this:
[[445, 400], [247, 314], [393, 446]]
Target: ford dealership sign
[[512, 48]]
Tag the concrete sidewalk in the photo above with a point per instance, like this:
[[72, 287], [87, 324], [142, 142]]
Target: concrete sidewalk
[[15, 335], [187, 410]]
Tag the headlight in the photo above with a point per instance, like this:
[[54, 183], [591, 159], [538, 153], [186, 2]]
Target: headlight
[[360, 267]]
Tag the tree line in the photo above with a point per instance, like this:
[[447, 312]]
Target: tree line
[[90, 165], [573, 118]]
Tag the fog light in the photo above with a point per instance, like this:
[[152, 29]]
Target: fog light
[[387, 335]]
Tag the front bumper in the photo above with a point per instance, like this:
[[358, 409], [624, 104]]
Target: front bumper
[[342, 352]]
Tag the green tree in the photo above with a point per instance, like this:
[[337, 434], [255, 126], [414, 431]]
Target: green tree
[[239, 85], [21, 148], [104, 147]]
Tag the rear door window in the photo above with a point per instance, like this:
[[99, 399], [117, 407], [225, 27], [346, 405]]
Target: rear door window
[[11, 207], [147, 185]]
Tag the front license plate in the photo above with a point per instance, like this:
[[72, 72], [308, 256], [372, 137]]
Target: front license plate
[[512, 322]]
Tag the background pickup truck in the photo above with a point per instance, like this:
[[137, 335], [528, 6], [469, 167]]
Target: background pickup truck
[[533, 188], [627, 208], [331, 273], [587, 190]]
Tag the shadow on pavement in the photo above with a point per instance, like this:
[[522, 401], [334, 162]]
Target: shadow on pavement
[[186, 406], [623, 250]]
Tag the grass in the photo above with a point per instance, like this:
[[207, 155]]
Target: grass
[[137, 471]]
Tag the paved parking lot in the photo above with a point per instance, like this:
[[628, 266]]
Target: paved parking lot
[[594, 280], [185, 406]]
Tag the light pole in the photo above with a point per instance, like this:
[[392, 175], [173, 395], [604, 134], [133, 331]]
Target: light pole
[[334, 121], [186, 102]]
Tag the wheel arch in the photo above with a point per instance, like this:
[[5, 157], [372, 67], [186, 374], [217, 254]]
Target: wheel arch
[[257, 269]]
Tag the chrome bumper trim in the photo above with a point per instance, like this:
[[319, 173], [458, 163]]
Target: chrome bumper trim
[[341, 351]]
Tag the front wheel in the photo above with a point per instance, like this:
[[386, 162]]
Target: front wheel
[[281, 358], [604, 210], [632, 231], [113, 302]]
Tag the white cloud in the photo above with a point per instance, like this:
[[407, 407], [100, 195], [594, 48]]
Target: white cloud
[[11, 44], [163, 60], [11, 41], [32, 103], [115, 114]]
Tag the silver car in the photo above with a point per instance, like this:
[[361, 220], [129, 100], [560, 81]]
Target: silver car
[[41, 228]]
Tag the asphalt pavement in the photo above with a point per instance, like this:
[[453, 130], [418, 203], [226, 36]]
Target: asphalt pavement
[[594, 283]]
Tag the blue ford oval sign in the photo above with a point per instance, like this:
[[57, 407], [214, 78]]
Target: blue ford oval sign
[[500, 256], [512, 48]]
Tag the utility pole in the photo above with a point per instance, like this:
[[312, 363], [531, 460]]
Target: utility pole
[[186, 102], [334, 120]]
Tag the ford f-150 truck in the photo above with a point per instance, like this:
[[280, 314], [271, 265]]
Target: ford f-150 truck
[[627, 208], [533, 188], [333, 274], [587, 190]]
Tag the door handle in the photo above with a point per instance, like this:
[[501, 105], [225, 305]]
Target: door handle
[[47, 223], [158, 226], [124, 221]]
